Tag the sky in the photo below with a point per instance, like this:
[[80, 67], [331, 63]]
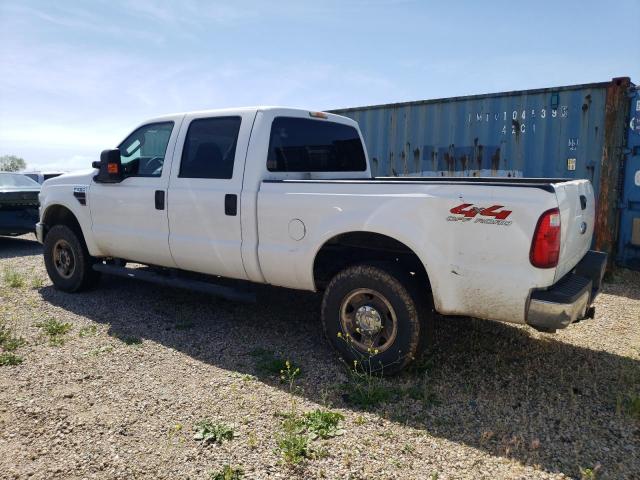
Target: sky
[[77, 76]]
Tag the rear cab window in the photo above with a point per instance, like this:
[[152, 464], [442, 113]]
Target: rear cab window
[[308, 145]]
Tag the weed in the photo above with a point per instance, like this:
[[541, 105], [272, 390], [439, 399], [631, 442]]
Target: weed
[[100, 350], [13, 279], [360, 420], [252, 440], [55, 330], [589, 473], [88, 331], [227, 473], [37, 282], [7, 359], [211, 432], [292, 444], [407, 448], [322, 423], [11, 344], [8, 342], [267, 362], [424, 394], [366, 388]]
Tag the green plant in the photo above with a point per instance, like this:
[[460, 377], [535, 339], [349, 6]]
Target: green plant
[[9, 342], [268, 363], [13, 279], [322, 423], [211, 432], [293, 445], [366, 387], [55, 330], [227, 473], [88, 331], [37, 282], [7, 359], [589, 473]]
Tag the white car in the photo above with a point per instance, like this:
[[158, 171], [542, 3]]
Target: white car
[[285, 197]]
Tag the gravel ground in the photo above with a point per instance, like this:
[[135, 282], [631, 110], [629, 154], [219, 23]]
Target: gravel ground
[[119, 394]]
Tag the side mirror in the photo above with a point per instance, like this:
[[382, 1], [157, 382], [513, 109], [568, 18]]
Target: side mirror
[[110, 167]]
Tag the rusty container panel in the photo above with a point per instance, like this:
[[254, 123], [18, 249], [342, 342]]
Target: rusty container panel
[[564, 132]]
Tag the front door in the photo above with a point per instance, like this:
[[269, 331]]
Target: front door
[[129, 219], [204, 193]]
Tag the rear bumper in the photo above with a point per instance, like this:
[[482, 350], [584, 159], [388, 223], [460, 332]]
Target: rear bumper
[[570, 298]]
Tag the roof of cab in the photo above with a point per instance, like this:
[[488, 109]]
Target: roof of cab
[[260, 108]]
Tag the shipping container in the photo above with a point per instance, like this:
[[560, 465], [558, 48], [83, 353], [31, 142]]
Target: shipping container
[[580, 131]]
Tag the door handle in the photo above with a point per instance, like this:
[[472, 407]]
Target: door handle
[[159, 198], [231, 204]]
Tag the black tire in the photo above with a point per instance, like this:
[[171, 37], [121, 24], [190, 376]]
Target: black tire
[[62, 242], [382, 289]]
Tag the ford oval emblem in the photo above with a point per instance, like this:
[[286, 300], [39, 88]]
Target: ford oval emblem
[[583, 228]]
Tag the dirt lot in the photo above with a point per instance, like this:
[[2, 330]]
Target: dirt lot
[[117, 392]]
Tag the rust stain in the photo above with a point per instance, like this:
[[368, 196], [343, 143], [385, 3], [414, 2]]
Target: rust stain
[[416, 159], [495, 161], [606, 227]]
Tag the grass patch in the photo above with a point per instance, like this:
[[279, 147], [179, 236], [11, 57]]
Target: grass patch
[[227, 473], [268, 363], [7, 359], [212, 432], [55, 330], [13, 279]]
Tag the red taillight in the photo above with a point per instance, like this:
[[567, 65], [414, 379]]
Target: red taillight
[[545, 248]]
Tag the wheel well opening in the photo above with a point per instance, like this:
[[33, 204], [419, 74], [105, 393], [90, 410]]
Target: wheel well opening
[[353, 248], [59, 215]]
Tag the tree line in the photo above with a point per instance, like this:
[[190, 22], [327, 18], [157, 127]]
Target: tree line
[[11, 163]]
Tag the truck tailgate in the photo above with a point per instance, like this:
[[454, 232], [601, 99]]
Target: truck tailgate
[[577, 218]]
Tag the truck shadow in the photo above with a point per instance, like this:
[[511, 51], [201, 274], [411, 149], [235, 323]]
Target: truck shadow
[[22, 246], [490, 386]]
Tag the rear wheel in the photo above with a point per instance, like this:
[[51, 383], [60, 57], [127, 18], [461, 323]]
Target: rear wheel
[[68, 263], [371, 314]]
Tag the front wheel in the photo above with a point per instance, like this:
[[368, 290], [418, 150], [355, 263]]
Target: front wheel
[[68, 263], [369, 315]]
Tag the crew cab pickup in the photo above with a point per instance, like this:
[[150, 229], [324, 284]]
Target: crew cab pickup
[[285, 197]]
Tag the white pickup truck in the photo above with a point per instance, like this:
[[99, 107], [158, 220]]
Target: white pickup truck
[[285, 197]]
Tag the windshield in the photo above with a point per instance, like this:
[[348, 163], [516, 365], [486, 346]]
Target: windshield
[[16, 180]]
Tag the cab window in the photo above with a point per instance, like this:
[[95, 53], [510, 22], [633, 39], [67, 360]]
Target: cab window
[[306, 145], [143, 152], [210, 148]]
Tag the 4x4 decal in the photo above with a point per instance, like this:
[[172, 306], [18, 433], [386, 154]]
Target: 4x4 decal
[[468, 212]]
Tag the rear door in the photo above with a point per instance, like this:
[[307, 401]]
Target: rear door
[[206, 183], [577, 218]]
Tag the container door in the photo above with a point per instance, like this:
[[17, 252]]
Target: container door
[[629, 247]]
